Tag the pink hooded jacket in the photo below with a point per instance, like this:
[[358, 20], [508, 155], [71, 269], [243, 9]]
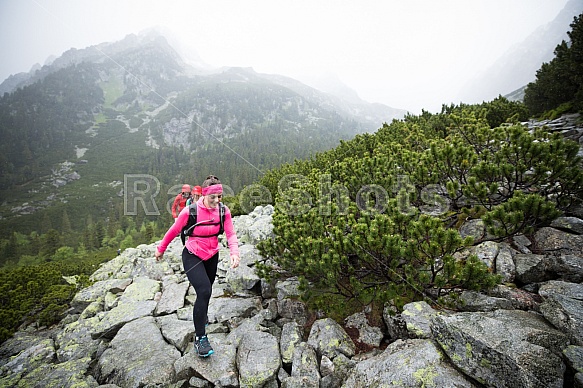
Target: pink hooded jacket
[[203, 247]]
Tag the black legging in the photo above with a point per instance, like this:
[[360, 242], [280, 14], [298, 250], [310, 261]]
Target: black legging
[[201, 274]]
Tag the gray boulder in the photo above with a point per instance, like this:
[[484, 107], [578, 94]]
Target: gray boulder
[[476, 301], [368, 335], [487, 252], [219, 368], [256, 226], [175, 331], [247, 326], [569, 224], [289, 305], [342, 367], [24, 367], [172, 298], [136, 262], [305, 365], [97, 291], [532, 268], [224, 309], [72, 373], [505, 264], [409, 363], [396, 325], [329, 339], [558, 241], [291, 336], [563, 307], [136, 304], [417, 317], [569, 267], [574, 356], [241, 279], [500, 348], [75, 341], [519, 299], [138, 356], [258, 359]]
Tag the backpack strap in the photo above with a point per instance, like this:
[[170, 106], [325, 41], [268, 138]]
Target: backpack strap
[[188, 229], [221, 217]]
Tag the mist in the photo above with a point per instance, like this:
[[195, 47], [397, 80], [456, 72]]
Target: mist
[[410, 55]]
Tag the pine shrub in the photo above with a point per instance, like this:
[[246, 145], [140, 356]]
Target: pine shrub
[[376, 219]]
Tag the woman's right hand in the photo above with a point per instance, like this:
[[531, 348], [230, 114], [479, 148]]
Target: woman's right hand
[[159, 256]]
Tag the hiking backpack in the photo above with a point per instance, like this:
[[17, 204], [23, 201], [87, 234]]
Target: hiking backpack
[[188, 229]]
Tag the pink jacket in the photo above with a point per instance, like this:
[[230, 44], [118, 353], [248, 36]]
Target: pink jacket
[[203, 247]]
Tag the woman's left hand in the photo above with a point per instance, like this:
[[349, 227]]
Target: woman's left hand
[[235, 261]]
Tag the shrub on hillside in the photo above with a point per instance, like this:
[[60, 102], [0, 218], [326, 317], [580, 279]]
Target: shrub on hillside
[[561, 80], [374, 222]]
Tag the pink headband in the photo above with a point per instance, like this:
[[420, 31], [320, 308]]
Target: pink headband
[[214, 189]]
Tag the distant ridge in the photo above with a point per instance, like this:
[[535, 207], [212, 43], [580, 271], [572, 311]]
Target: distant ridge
[[136, 107], [518, 66]]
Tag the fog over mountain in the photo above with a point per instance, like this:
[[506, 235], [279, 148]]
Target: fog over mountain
[[518, 66], [87, 118], [408, 55]]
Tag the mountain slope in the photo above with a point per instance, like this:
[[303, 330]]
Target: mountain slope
[[72, 129], [518, 66]]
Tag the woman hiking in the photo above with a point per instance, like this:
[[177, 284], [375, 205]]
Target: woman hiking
[[194, 195], [200, 256], [180, 200]]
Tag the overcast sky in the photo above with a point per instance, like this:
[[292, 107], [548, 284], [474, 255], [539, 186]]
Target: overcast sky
[[408, 54]]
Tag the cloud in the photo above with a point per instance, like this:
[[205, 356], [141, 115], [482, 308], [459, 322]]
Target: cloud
[[407, 54]]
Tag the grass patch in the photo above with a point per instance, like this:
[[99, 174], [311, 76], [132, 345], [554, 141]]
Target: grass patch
[[113, 89]]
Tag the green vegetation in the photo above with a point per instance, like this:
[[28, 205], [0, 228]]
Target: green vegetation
[[106, 234], [32, 285], [242, 129], [112, 90], [371, 221], [99, 121], [39, 293], [239, 130], [559, 84], [374, 220], [51, 114]]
